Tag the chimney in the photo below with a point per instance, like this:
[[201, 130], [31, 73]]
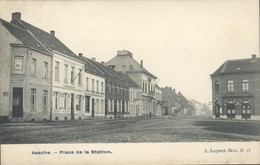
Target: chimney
[[16, 16], [93, 58], [174, 90], [141, 63], [102, 62], [253, 59], [80, 54], [52, 32]]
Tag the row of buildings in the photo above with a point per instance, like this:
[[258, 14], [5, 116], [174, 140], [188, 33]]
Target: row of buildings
[[42, 79]]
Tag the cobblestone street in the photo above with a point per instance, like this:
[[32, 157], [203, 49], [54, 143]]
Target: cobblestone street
[[130, 130]]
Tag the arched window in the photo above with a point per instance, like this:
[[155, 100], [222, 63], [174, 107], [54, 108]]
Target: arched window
[[245, 85], [230, 85], [216, 86]]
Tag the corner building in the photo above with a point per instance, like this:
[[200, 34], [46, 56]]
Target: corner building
[[66, 74], [236, 89], [25, 74]]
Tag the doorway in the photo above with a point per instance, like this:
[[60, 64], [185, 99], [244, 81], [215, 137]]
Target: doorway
[[17, 103], [231, 110], [93, 107], [72, 106], [246, 110]]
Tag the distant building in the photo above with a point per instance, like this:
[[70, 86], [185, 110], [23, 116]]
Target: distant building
[[25, 74], [94, 89], [158, 98], [176, 104], [170, 100], [124, 62], [135, 97], [236, 89], [186, 107], [116, 93]]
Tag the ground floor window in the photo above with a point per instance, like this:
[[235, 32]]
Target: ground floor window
[[79, 103], [56, 100], [33, 99], [115, 105], [87, 98], [65, 101], [97, 105], [101, 107], [45, 99], [111, 106]]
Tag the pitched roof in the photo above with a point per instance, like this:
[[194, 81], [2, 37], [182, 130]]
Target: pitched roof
[[90, 68], [24, 36], [107, 71], [47, 39], [238, 66], [130, 81]]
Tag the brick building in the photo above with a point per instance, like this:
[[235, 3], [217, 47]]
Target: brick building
[[116, 91], [236, 89], [124, 62]]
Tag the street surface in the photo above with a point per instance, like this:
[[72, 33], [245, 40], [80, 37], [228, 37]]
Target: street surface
[[131, 130]]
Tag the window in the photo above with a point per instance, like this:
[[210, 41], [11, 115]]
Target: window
[[131, 67], [97, 105], [230, 85], [33, 67], [56, 100], [93, 85], [97, 86], [245, 85], [87, 79], [80, 77], [110, 88], [33, 99], [45, 99], [115, 89], [18, 63], [57, 71], [65, 101], [45, 70], [216, 86], [87, 98], [72, 75], [66, 73], [111, 105], [79, 103], [101, 107], [102, 87]]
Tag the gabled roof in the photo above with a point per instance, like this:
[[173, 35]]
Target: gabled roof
[[24, 36], [130, 81], [238, 66], [90, 68], [107, 71], [47, 39]]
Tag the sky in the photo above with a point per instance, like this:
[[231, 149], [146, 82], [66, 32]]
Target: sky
[[181, 42]]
